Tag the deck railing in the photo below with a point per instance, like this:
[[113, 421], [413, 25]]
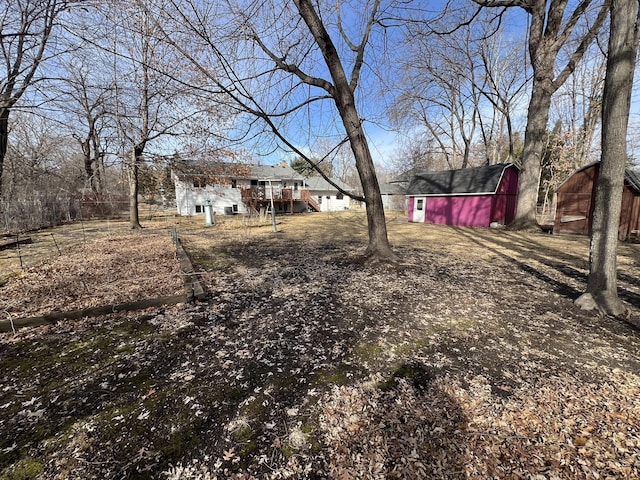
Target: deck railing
[[265, 193]]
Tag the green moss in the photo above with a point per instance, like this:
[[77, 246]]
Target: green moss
[[27, 468], [328, 377], [254, 409], [288, 451], [246, 438], [367, 351]]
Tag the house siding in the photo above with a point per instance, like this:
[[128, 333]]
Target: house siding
[[329, 202], [291, 193], [189, 197]]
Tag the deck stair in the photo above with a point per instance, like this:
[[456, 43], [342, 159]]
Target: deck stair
[[311, 202]]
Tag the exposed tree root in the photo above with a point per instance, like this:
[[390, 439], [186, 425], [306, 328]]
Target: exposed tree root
[[604, 305], [384, 256], [524, 225]]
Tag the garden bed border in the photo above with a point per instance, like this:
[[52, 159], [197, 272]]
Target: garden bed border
[[193, 290]]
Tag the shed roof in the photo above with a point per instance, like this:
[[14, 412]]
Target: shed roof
[[477, 181], [631, 177]]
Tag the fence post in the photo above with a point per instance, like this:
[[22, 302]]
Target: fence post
[[19, 250], [56, 243]]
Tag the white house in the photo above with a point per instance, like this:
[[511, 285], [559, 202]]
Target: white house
[[394, 195], [234, 188], [328, 198]]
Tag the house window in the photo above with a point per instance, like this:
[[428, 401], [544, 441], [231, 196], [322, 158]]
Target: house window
[[284, 184], [328, 197], [420, 205], [235, 208], [199, 183], [295, 186], [339, 196], [199, 209], [234, 183]]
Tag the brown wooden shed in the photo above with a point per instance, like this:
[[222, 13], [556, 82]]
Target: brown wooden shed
[[576, 199]]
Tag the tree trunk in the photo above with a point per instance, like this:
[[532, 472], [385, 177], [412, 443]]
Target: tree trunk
[[537, 119], [602, 286], [134, 220], [342, 93], [4, 140], [379, 248]]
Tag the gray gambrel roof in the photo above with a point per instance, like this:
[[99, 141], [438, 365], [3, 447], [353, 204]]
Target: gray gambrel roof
[[476, 181]]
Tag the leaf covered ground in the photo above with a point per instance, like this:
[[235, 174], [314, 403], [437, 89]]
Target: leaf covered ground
[[106, 270], [468, 360]]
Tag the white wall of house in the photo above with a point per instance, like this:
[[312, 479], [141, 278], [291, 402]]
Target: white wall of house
[[329, 201], [191, 200], [394, 202]]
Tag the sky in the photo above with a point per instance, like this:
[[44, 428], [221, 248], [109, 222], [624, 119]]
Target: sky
[[384, 50], [385, 143]]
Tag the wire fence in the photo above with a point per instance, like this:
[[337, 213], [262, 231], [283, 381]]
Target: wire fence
[[50, 210], [63, 282], [58, 284]]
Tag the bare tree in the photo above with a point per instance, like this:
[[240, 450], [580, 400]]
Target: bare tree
[[551, 29], [602, 292], [148, 103], [84, 99], [579, 106], [504, 86], [26, 26], [279, 63], [41, 174], [460, 84], [440, 90]]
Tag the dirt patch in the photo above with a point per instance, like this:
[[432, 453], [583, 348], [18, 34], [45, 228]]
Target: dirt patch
[[468, 361]]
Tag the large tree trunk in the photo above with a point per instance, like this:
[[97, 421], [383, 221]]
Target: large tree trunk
[[4, 140], [602, 292], [379, 248], [534, 137], [342, 93]]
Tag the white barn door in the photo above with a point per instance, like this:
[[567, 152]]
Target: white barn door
[[419, 205]]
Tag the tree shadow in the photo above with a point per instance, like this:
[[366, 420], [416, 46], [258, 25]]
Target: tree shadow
[[560, 262], [404, 427]]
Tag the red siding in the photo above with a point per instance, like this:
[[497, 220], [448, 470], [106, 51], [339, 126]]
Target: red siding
[[469, 211], [473, 210], [575, 204]]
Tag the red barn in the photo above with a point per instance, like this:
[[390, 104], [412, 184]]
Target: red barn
[[576, 201], [471, 197]]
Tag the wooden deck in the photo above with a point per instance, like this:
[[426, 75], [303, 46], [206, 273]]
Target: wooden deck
[[256, 198]]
